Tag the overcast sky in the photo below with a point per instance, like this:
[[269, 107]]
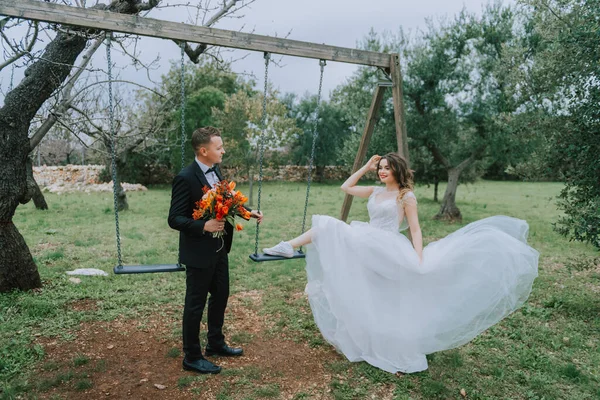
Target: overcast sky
[[335, 22]]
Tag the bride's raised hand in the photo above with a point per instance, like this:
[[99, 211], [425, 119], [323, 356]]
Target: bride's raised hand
[[372, 163]]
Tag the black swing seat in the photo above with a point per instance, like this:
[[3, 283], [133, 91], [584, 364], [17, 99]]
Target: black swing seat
[[260, 257], [145, 269]]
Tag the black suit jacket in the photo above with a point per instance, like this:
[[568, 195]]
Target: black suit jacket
[[196, 247]]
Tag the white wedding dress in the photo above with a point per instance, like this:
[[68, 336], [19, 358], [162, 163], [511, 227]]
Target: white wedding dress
[[373, 301]]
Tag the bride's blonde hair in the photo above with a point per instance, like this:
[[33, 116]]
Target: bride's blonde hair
[[402, 174]]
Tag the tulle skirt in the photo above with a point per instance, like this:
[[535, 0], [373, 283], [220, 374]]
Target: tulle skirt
[[373, 301]]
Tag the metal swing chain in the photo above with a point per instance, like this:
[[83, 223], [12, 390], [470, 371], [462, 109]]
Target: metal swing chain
[[322, 63], [111, 118], [261, 145], [182, 105]]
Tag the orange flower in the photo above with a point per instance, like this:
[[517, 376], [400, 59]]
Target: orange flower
[[243, 212], [238, 227], [221, 202], [197, 214]]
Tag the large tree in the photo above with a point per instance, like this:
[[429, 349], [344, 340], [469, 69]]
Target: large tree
[[49, 75], [557, 81], [456, 92]]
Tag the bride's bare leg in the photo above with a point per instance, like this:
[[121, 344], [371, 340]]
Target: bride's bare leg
[[302, 240]]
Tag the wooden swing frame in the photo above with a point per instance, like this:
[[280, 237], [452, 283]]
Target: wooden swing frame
[[180, 32]]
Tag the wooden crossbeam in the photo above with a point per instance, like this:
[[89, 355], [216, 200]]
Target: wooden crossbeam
[[134, 24]]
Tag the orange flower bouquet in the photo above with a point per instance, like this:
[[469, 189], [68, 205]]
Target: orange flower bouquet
[[222, 203]]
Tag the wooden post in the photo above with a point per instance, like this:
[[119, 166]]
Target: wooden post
[[364, 143], [399, 117]]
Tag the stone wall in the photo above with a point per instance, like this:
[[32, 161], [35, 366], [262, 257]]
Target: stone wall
[[75, 178], [46, 176], [288, 173], [86, 177]]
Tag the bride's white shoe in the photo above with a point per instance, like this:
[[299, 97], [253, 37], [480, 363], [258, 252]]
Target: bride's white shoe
[[283, 249]]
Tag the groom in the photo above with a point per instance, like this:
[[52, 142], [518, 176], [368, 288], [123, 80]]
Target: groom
[[205, 257]]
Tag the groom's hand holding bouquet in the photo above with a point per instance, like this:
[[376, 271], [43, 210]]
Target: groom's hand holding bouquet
[[222, 203]]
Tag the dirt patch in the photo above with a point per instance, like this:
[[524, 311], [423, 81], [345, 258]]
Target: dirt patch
[[82, 305], [41, 247], [141, 359]]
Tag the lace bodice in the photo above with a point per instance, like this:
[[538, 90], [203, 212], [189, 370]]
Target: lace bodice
[[383, 211]]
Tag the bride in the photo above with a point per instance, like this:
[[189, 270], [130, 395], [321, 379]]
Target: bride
[[379, 298]]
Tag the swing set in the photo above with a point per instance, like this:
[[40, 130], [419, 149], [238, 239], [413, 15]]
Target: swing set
[[389, 64]]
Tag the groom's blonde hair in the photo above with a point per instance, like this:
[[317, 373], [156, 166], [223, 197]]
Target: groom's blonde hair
[[202, 136]]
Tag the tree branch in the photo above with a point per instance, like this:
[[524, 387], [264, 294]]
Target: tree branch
[[67, 99], [194, 54], [27, 49], [132, 146], [87, 117], [554, 13], [437, 154], [478, 152], [118, 81], [222, 12], [146, 6]]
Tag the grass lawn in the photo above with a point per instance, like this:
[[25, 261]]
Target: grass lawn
[[84, 340]]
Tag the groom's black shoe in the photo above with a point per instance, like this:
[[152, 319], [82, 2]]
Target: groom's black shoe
[[224, 351], [202, 366]]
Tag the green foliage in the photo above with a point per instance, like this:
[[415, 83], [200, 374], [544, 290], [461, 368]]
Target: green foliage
[[561, 94], [207, 88], [331, 129], [145, 167], [241, 122], [354, 98], [455, 95], [455, 90]]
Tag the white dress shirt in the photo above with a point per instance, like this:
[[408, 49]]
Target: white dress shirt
[[211, 177]]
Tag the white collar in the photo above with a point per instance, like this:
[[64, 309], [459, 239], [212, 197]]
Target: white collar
[[202, 166]]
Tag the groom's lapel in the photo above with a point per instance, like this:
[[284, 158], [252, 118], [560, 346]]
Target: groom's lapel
[[200, 175]]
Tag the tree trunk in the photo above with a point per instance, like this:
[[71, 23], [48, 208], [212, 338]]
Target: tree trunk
[[121, 160], [448, 210], [18, 271], [122, 204], [320, 173], [36, 194], [42, 78], [436, 187], [38, 198]]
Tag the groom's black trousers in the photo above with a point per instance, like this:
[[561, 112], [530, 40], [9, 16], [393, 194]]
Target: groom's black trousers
[[211, 275]]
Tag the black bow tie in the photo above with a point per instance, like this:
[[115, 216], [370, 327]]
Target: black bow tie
[[211, 169]]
